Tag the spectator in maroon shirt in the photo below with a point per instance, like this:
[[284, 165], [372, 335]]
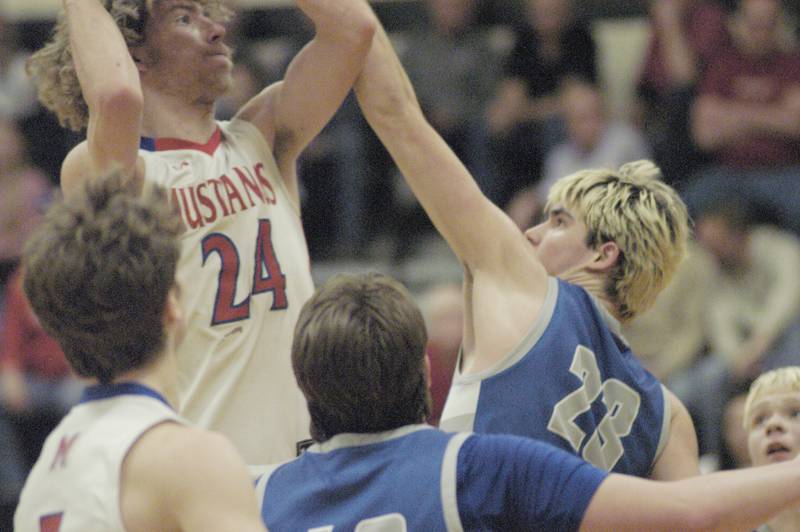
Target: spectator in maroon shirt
[[34, 375], [747, 116], [748, 109]]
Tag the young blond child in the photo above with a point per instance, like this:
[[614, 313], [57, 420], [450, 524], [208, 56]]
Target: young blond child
[[772, 421]]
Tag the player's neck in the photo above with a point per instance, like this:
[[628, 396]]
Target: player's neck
[[166, 116], [160, 375], [595, 284]]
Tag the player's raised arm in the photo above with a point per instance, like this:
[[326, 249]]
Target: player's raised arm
[[292, 112], [480, 234], [111, 89]]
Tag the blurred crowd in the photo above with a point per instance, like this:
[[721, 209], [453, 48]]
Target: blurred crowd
[[522, 99]]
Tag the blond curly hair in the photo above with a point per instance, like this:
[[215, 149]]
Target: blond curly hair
[[53, 69], [644, 216]]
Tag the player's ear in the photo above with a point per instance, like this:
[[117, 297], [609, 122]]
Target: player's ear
[[606, 257], [173, 314], [428, 370]]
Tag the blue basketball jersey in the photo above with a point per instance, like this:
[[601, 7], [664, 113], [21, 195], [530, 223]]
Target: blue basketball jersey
[[419, 478], [572, 382]]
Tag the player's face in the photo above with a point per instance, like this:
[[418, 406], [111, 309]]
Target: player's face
[[560, 241], [774, 428], [184, 50]]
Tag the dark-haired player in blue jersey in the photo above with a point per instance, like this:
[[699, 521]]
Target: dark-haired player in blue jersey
[[359, 358], [542, 355]]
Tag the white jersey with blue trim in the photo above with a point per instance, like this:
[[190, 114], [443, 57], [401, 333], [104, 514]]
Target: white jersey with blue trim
[[75, 484], [244, 273], [572, 382], [419, 478]]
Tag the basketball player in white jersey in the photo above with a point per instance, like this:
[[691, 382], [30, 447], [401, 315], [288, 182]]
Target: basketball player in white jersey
[[142, 77], [542, 356], [100, 275]]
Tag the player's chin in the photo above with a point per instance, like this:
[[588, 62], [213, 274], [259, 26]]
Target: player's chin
[[219, 85]]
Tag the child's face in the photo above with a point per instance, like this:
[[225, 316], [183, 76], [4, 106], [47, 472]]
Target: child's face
[[774, 428]]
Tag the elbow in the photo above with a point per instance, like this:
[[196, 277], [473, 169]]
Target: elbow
[[364, 30], [361, 36], [123, 101], [357, 33]]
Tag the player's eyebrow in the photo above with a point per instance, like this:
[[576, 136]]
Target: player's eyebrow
[[189, 6], [560, 211]]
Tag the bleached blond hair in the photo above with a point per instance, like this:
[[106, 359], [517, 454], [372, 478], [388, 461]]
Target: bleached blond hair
[[53, 69], [644, 216], [781, 380]]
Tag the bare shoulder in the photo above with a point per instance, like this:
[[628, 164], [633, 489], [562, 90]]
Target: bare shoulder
[[78, 168], [75, 168], [188, 478], [679, 458], [173, 448]]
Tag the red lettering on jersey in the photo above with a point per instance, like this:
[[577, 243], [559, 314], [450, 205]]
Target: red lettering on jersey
[[217, 183], [50, 523], [270, 198], [233, 193], [191, 215], [64, 446], [198, 206], [250, 185], [206, 202]]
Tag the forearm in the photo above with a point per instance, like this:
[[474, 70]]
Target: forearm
[[437, 177], [679, 58], [103, 63], [743, 499], [383, 89], [712, 129], [727, 501], [773, 119]]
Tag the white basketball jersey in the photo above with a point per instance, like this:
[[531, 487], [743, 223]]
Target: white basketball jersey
[[244, 273], [75, 484]]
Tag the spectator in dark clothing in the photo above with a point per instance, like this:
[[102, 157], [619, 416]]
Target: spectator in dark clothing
[[686, 35], [524, 117]]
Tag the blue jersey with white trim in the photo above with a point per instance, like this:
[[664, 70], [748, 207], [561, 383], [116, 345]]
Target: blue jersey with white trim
[[418, 478], [572, 382]]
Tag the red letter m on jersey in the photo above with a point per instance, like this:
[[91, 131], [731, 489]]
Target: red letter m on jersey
[[64, 446]]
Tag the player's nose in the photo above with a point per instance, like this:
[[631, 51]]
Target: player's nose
[[216, 31], [775, 423], [534, 234]]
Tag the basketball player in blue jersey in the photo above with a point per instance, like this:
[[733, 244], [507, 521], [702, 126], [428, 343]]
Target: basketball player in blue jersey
[[542, 355], [142, 77], [100, 275], [359, 357]]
